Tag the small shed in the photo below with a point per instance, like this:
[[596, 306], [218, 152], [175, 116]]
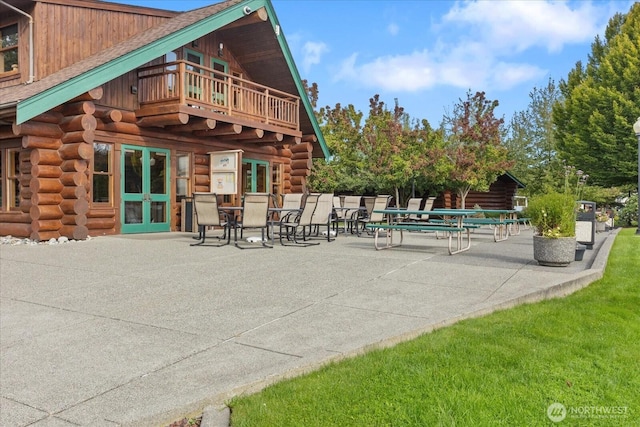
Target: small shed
[[501, 195]]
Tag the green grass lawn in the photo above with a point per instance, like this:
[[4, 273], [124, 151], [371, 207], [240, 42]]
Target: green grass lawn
[[505, 369]]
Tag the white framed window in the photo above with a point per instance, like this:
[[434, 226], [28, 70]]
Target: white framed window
[[102, 177], [10, 177], [183, 175], [9, 49]]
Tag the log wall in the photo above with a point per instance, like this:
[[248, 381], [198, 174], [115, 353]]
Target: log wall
[[56, 164], [299, 167], [499, 196], [54, 172]]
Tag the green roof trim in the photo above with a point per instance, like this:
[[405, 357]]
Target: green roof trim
[[516, 180], [296, 76], [48, 99]]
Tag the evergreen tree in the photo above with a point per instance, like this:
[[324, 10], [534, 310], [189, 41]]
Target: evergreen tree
[[531, 141], [600, 104]]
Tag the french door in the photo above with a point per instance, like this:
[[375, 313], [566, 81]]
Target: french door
[[255, 176], [145, 206]]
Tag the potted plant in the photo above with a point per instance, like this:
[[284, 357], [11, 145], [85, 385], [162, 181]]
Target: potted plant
[[554, 217], [601, 221]]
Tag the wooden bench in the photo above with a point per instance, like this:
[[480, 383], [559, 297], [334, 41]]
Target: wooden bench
[[401, 227]]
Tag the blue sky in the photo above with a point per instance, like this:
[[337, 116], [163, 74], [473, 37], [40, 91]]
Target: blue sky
[[428, 54]]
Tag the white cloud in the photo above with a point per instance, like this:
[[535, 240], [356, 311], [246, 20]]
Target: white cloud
[[347, 69], [397, 73], [480, 46], [312, 52], [519, 25], [393, 29], [507, 75], [467, 66]]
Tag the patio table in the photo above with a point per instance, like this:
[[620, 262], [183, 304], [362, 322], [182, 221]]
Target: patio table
[[447, 226], [506, 217], [344, 218]]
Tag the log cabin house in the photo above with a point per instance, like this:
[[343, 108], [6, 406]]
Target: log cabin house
[[501, 195], [111, 115]]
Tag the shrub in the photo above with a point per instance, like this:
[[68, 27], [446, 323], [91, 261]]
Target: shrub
[[553, 214], [628, 215]]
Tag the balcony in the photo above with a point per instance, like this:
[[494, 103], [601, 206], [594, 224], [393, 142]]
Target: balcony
[[181, 87]]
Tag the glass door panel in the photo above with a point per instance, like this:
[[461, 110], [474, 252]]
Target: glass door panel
[[145, 189], [133, 187], [255, 176], [193, 77], [219, 82], [261, 177]]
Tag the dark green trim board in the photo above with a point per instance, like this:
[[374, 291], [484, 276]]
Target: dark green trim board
[[296, 76], [516, 180]]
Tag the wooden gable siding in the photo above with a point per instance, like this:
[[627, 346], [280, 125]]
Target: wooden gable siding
[[66, 34]]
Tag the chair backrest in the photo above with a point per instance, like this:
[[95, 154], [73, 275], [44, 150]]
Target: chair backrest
[[352, 203], [369, 202], [380, 202], [206, 207], [311, 201], [428, 205], [255, 209], [414, 205], [337, 202], [324, 207], [292, 201]]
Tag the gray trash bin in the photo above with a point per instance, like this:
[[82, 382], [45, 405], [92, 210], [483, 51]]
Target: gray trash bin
[[586, 223]]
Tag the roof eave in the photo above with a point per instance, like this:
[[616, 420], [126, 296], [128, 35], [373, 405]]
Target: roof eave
[[296, 76]]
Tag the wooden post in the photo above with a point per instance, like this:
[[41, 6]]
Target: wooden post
[[87, 136], [45, 185], [77, 150], [77, 232], [49, 130], [92, 95], [79, 123], [80, 107], [41, 156], [31, 141]]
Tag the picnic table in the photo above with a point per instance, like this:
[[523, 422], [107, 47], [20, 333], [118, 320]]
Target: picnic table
[[507, 219], [453, 223]]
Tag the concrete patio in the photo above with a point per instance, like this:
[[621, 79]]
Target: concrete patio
[[145, 329]]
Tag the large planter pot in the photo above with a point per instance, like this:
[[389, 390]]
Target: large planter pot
[[554, 252], [601, 226]]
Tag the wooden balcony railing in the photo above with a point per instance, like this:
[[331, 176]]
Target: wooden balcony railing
[[187, 83]]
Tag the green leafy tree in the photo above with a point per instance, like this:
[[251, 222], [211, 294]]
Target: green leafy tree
[[386, 153], [397, 152], [474, 145], [600, 103], [342, 130], [531, 141]]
